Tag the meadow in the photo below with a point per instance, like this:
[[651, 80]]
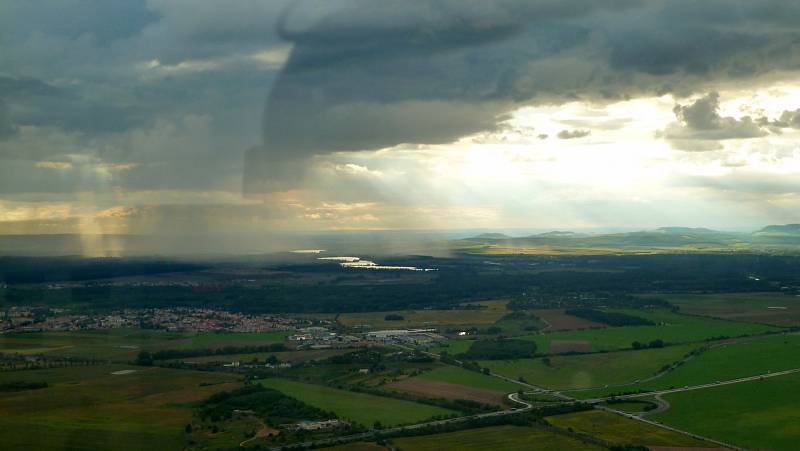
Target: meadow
[[506, 438], [619, 430], [564, 372], [761, 414], [359, 407], [90, 408], [671, 327], [726, 361]]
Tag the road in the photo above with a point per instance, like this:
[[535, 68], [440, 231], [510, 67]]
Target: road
[[514, 397], [697, 387], [369, 434], [670, 428]]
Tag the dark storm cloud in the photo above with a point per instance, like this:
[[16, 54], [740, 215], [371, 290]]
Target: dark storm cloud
[[119, 78], [368, 76], [7, 128]]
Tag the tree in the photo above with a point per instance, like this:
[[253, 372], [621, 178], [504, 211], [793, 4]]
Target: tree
[[188, 428], [637, 345], [272, 360], [144, 359], [657, 343]]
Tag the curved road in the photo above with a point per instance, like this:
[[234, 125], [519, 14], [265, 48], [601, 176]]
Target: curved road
[[514, 397]]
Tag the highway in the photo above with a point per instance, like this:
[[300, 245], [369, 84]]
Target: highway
[[514, 397], [371, 433], [697, 387]]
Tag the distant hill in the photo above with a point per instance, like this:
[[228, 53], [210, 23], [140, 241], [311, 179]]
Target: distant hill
[[770, 239], [686, 230], [492, 236], [780, 230]]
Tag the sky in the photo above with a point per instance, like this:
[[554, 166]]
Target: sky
[[248, 117]]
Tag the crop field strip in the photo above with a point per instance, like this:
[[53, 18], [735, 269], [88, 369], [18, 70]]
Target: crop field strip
[[491, 313], [671, 328], [359, 407], [565, 372], [722, 361], [778, 309], [506, 438]]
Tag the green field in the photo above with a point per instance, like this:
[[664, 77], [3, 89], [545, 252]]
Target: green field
[[633, 406], [457, 375], [359, 407], [283, 356], [506, 438], [89, 408], [452, 347], [761, 414], [779, 309], [724, 362], [672, 328], [120, 345], [589, 370], [619, 430], [423, 318]]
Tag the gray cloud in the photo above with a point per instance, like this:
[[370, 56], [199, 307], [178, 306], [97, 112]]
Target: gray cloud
[[7, 128], [355, 68], [701, 126], [117, 82], [573, 134], [787, 119]]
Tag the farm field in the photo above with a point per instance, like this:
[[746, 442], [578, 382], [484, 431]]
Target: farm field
[[423, 318], [217, 340], [760, 414], [438, 389], [558, 320], [359, 407], [93, 409], [357, 446], [122, 345], [119, 345], [566, 372], [283, 356], [672, 328], [723, 362], [452, 347], [619, 430], [506, 438], [457, 375], [778, 309]]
